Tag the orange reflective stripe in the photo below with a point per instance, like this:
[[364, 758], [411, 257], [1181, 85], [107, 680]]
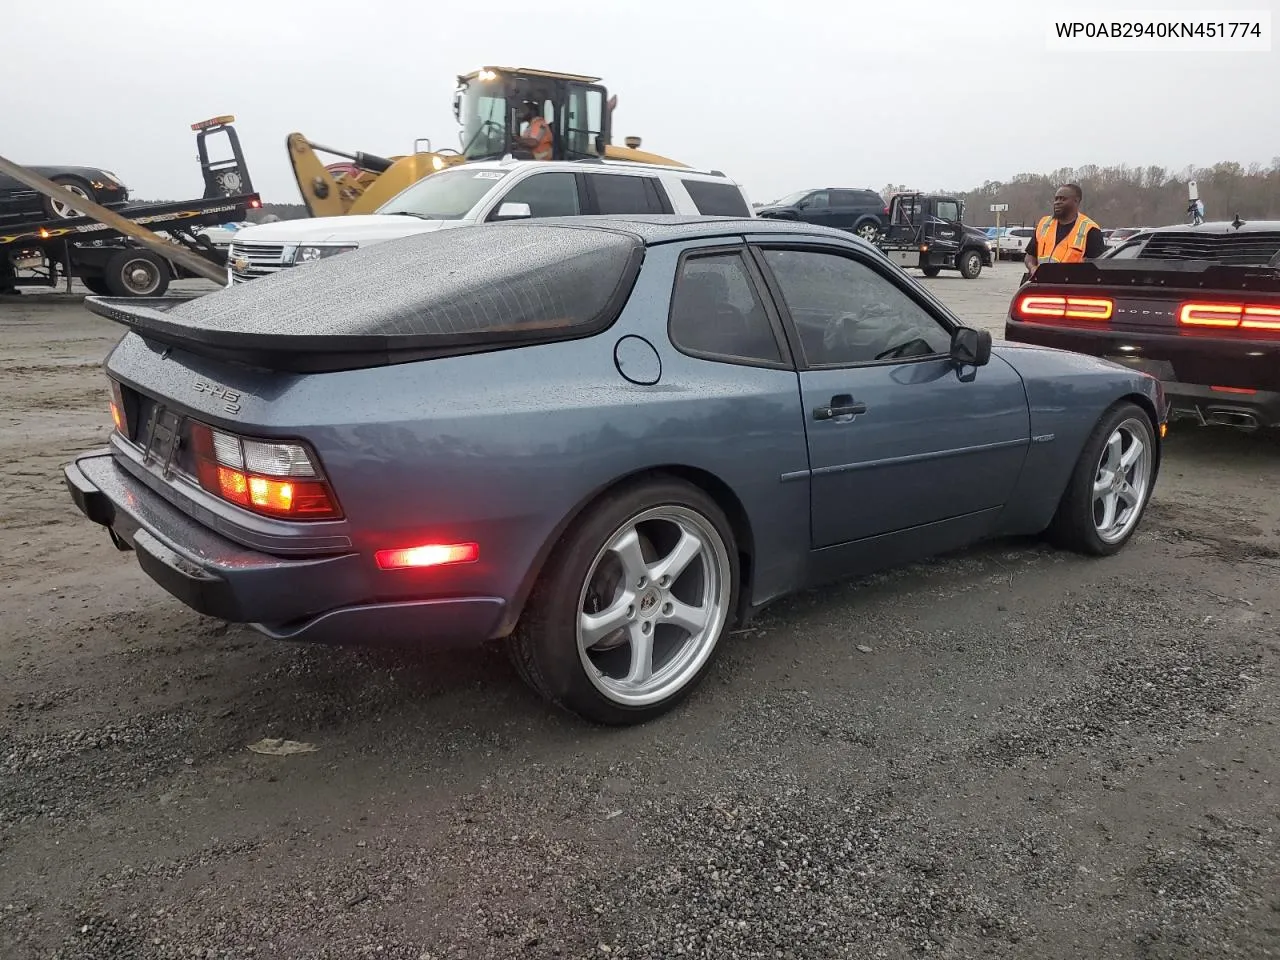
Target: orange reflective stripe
[[1044, 238]]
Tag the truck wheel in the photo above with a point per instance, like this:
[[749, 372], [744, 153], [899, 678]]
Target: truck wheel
[[970, 264], [136, 273], [96, 285], [931, 271]]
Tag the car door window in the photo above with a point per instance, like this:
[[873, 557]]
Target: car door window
[[547, 194], [623, 193], [818, 200], [716, 312], [846, 313]]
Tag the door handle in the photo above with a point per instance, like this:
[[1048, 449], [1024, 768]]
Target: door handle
[[841, 405]]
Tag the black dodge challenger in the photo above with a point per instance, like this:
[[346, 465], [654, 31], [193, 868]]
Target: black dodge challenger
[[20, 202]]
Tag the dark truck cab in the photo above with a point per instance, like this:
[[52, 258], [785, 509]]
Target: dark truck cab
[[927, 231]]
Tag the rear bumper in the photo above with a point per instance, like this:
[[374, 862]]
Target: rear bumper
[[1213, 380], [322, 599]]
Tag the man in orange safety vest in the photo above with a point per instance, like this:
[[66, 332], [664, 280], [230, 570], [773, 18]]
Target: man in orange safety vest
[[1068, 236], [537, 134]]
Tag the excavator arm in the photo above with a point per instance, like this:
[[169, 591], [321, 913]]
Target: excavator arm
[[367, 182]]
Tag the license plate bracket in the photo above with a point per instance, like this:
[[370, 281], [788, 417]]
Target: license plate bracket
[[162, 437]]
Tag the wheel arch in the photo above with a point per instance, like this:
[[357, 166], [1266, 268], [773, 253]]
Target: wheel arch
[[716, 488], [1149, 408]]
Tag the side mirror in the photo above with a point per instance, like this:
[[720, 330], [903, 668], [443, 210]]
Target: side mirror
[[801, 204], [970, 347], [518, 211]]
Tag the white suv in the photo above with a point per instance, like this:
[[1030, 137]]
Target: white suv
[[488, 191]]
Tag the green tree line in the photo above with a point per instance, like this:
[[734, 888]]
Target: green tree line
[[1125, 196]]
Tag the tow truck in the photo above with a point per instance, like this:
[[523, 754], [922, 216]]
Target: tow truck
[[137, 250], [927, 231]]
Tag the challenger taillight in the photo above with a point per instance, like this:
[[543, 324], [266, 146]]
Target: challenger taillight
[[1038, 306], [1244, 316], [265, 476]]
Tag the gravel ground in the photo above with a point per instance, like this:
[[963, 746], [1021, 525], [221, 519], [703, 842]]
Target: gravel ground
[[1040, 756]]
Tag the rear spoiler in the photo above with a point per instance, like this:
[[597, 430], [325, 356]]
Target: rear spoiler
[[286, 352], [1176, 274]]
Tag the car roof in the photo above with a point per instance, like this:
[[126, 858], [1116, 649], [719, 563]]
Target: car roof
[[622, 166], [653, 229], [1214, 226]]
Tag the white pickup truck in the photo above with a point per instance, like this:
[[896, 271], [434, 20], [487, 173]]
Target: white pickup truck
[[490, 191]]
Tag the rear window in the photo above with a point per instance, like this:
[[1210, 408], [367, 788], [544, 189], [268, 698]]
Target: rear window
[[626, 194], [716, 199], [515, 281]]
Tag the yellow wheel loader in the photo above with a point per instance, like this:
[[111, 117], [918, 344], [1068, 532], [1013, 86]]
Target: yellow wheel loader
[[488, 104]]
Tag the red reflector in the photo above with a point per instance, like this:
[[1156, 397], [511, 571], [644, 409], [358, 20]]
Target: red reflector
[[1034, 305], [428, 555], [1233, 389]]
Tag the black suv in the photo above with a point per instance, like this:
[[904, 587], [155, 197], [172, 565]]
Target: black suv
[[862, 211]]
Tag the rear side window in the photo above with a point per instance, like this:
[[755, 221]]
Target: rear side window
[[547, 194], [715, 311], [716, 199], [623, 194]]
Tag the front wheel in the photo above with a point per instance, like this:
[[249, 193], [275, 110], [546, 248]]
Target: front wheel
[[970, 264], [1111, 485], [632, 605]]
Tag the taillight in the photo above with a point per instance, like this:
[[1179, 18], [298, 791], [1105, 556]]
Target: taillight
[[268, 477], [117, 408], [1231, 315], [1033, 306]]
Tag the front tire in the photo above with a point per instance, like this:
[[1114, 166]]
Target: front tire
[[970, 264], [1110, 486], [632, 605]]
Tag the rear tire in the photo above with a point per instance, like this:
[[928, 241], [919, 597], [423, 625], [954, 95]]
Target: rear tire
[[604, 600], [1109, 471], [96, 285], [58, 209], [931, 271], [136, 273]]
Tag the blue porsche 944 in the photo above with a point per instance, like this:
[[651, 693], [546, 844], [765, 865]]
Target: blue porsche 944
[[603, 442]]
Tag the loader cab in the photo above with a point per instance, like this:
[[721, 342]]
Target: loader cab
[[488, 104]]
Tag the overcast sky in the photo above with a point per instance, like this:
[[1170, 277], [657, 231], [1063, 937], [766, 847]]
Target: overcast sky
[[780, 95]]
